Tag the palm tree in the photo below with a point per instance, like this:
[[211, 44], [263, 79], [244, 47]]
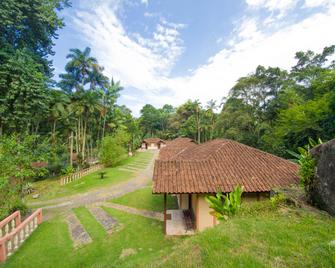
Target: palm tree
[[210, 111], [85, 104], [80, 66], [96, 77]]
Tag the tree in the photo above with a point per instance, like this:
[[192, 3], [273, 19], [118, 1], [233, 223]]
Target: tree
[[24, 95], [80, 70], [114, 148], [31, 25]]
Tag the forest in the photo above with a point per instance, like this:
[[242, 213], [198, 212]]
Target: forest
[[54, 125], [271, 109]]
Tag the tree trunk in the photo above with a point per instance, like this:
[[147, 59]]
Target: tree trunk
[[71, 148], [84, 140], [103, 127]]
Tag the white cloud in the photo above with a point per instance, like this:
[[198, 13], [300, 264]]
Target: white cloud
[[146, 63], [317, 3], [145, 2], [281, 5]]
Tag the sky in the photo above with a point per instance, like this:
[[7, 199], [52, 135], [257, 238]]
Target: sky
[[169, 51]]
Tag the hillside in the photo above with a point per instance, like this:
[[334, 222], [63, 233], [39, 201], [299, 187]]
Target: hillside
[[261, 236]]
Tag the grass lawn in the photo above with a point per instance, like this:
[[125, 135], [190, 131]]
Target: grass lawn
[[51, 188], [50, 245], [260, 237], [144, 199]]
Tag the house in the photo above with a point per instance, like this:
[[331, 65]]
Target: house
[[192, 171], [152, 143]]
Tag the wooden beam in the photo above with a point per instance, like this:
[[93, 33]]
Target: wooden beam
[[165, 213]]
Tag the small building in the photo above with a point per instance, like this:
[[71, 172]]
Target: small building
[[194, 171], [152, 144]]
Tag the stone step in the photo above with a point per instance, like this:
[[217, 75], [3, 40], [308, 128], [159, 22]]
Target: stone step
[[78, 233], [107, 221]]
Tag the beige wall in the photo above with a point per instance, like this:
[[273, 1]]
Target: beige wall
[[202, 210], [204, 219]]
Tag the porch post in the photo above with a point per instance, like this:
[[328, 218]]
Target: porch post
[[164, 213]]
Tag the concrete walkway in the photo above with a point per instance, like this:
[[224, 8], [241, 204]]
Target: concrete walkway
[[141, 179], [78, 233], [106, 220]]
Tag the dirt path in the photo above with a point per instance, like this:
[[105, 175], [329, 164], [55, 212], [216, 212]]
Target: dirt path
[[141, 179]]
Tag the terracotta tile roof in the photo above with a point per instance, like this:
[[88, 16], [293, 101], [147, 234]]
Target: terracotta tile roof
[[153, 140], [221, 164], [175, 147]]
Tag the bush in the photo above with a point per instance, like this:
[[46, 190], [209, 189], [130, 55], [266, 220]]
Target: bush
[[10, 200], [277, 200], [68, 170], [306, 163], [114, 148], [225, 205]]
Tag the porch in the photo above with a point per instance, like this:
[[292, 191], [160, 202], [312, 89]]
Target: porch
[[179, 222]]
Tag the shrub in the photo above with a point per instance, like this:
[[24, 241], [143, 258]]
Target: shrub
[[68, 170], [114, 148], [225, 205], [277, 200], [307, 164], [10, 200]]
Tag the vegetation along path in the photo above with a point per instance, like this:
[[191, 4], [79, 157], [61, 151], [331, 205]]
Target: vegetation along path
[[140, 179]]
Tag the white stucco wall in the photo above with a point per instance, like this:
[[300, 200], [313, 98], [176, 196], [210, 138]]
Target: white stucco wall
[[152, 146]]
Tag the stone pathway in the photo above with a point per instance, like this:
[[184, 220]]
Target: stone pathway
[[107, 221], [145, 213], [77, 231]]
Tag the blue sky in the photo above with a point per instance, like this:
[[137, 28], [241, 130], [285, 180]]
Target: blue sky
[[170, 51]]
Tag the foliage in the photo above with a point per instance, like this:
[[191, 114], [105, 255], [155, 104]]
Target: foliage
[[306, 163], [114, 148], [24, 97], [18, 154], [277, 199], [68, 170], [227, 205], [31, 25], [10, 200]]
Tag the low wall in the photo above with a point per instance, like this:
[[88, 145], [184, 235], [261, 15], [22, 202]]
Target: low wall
[[19, 232]]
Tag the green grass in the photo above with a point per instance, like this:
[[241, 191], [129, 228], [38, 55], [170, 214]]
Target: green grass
[[51, 188], [50, 244], [260, 237], [144, 199], [92, 226]]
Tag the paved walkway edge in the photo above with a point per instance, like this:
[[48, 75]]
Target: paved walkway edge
[[78, 233]]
